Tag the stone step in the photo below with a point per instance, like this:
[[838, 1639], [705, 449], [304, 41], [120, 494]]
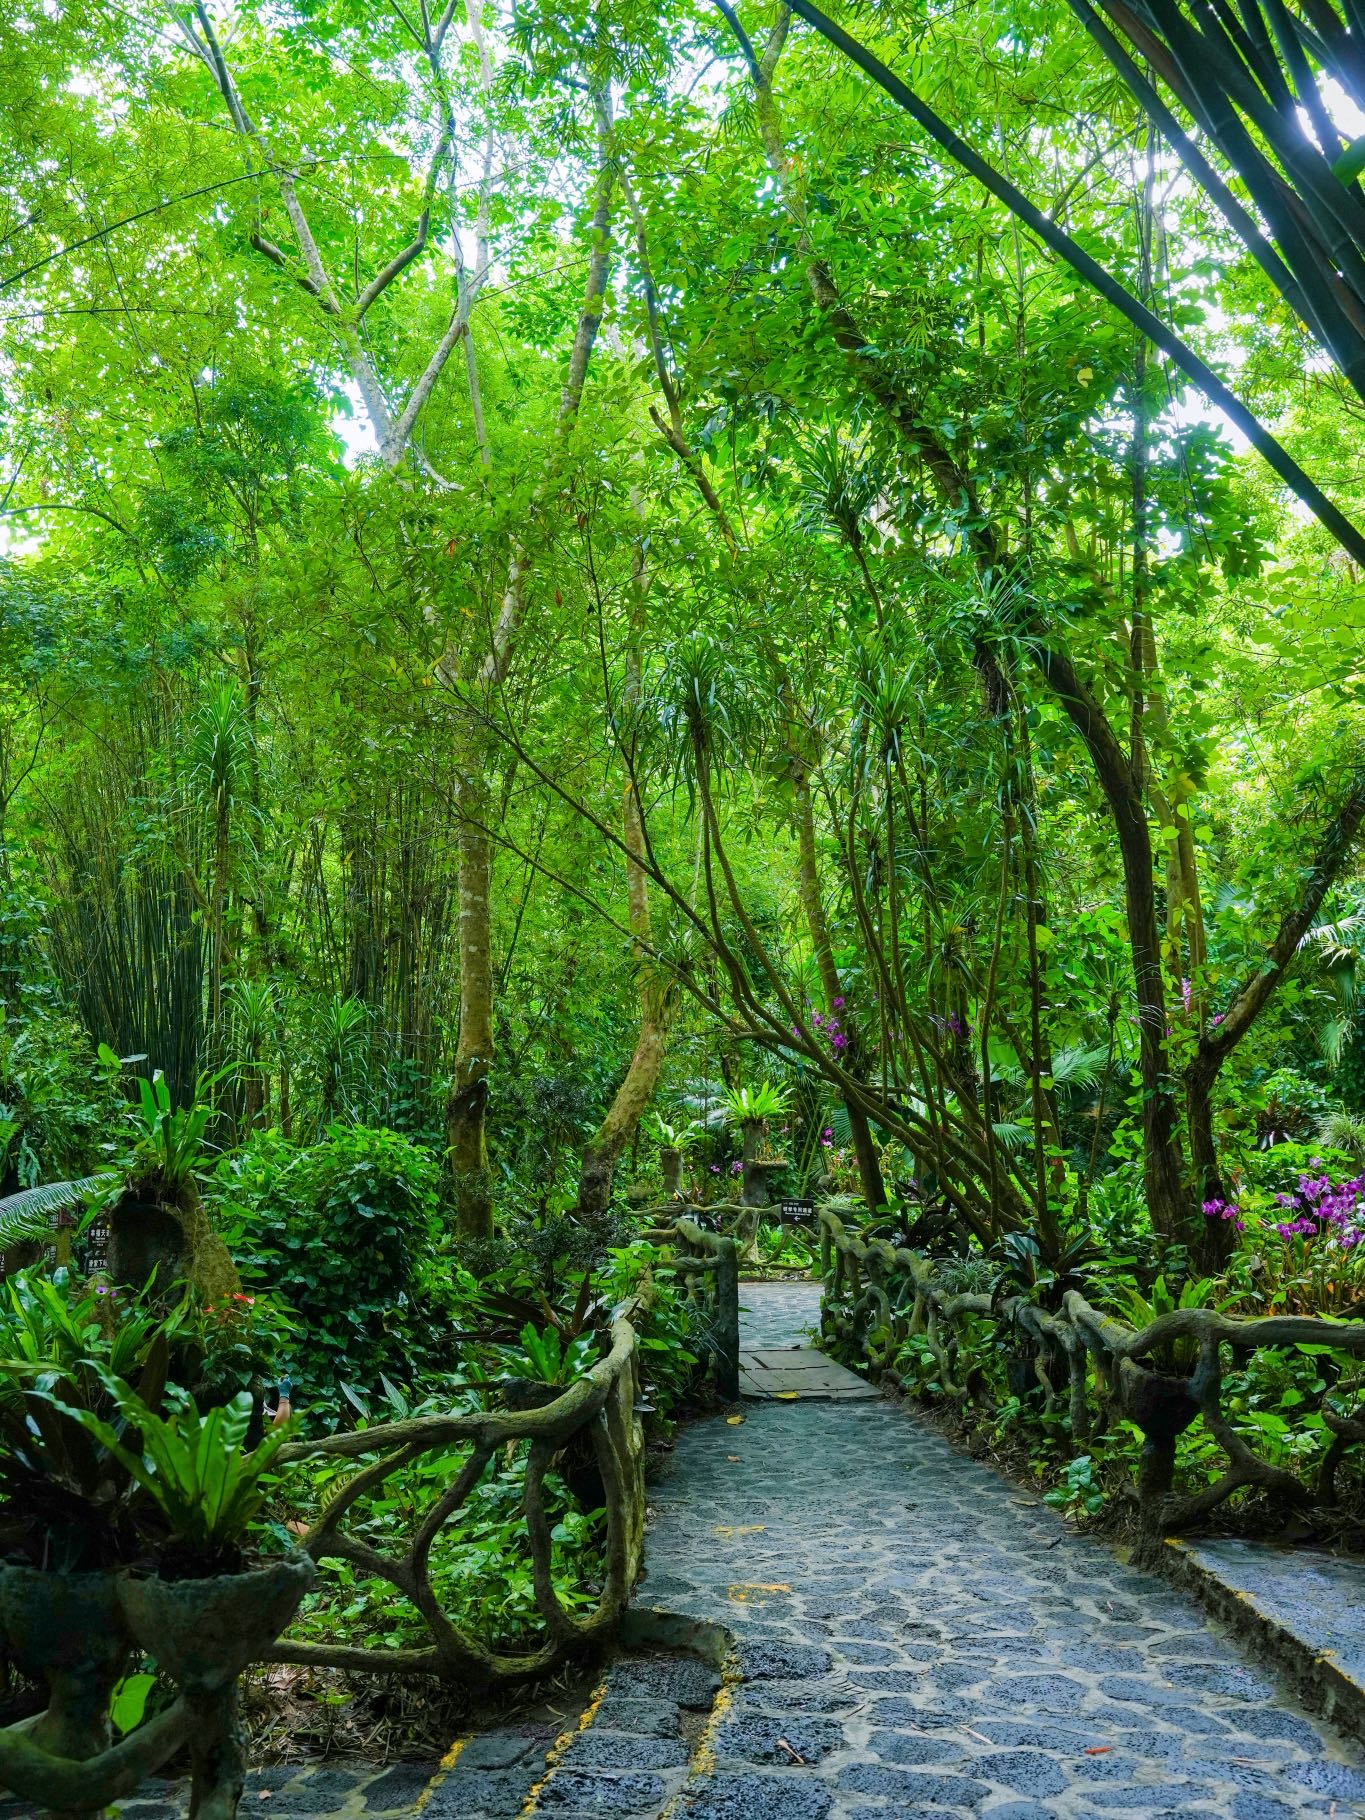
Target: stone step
[[1302, 1610]]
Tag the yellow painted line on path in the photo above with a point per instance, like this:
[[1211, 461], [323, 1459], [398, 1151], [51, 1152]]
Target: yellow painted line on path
[[443, 1769]]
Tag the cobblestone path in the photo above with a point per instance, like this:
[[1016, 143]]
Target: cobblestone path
[[921, 1638], [778, 1314]]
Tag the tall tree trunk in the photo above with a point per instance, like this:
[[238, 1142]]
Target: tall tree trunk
[[1167, 1200], [466, 1136]]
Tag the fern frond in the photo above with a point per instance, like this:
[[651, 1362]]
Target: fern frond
[[28, 1215]]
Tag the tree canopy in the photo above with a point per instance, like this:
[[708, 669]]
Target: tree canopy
[[559, 559]]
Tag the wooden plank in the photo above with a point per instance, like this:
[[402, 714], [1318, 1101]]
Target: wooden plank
[[798, 1372], [793, 1358]]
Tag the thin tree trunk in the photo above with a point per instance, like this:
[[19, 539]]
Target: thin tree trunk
[[646, 1064], [813, 908], [1167, 1200]]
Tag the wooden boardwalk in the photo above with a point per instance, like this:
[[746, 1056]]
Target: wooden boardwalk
[[792, 1372], [778, 1361]]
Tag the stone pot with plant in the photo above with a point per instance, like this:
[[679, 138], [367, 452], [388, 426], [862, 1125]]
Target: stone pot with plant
[[158, 1232], [675, 1141], [158, 1228], [144, 1519], [753, 1109]]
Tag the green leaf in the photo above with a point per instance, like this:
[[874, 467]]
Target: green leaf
[[130, 1701], [1351, 162]]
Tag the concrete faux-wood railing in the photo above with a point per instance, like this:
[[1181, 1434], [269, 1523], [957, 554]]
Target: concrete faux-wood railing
[[602, 1408], [708, 1263], [747, 1226], [877, 1296]]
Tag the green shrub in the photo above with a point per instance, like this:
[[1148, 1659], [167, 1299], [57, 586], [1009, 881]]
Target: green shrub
[[345, 1232]]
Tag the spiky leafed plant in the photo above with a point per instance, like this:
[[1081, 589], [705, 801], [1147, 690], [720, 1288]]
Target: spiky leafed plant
[[707, 711], [159, 1233], [838, 482], [253, 1015], [343, 1029], [1342, 1130]]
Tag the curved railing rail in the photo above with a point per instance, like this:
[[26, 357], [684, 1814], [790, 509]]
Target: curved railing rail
[[708, 1263], [877, 1296], [744, 1224], [601, 1408]]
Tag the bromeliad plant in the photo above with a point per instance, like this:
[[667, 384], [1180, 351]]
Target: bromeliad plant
[[546, 1357], [191, 1465], [752, 1108], [756, 1106], [682, 1136], [91, 1415]]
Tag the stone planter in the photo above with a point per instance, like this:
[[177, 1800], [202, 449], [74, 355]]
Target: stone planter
[[66, 1630], [671, 1163], [205, 1632]]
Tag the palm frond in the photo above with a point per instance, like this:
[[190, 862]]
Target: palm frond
[[1078, 1067], [1340, 939], [27, 1216], [1332, 1040], [1010, 1135]]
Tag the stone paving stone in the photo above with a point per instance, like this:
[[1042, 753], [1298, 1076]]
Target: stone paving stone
[[1317, 1597], [648, 1718], [398, 1788], [576, 1791], [955, 1660], [775, 1797], [478, 1795], [758, 1738], [683, 1680], [599, 1749]]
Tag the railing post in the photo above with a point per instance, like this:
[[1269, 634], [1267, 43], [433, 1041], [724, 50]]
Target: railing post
[[727, 1318]]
